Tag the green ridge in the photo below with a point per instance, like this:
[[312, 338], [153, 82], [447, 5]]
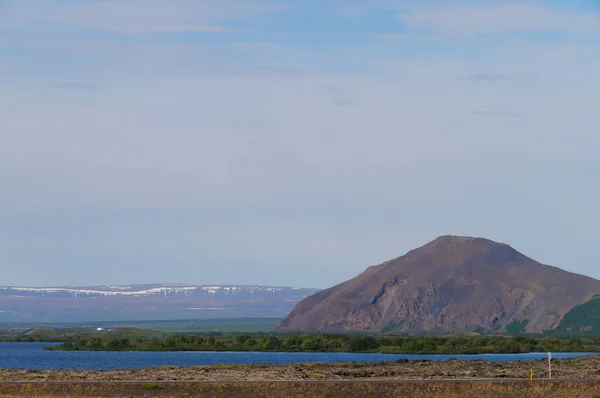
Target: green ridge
[[516, 327], [581, 319]]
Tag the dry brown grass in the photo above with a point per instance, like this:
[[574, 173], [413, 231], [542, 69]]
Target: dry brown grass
[[448, 389], [430, 379]]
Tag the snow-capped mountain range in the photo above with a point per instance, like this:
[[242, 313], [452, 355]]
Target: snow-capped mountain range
[[160, 290], [145, 302]]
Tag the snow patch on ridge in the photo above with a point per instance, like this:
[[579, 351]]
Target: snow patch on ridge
[[89, 292], [148, 290]]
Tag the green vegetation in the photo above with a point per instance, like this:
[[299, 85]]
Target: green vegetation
[[582, 319], [34, 335], [337, 343], [229, 325], [64, 335], [516, 327], [256, 335], [60, 332], [393, 325], [233, 325]]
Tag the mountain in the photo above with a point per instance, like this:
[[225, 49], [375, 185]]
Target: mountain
[[145, 302], [451, 284]]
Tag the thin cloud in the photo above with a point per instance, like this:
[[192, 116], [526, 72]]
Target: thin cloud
[[337, 91], [255, 71], [343, 102], [395, 37], [487, 77], [497, 18], [73, 85], [144, 16], [341, 97], [190, 27], [496, 113]]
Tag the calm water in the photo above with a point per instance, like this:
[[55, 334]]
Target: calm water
[[33, 356]]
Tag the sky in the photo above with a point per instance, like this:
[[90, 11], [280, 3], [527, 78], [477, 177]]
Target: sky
[[291, 143]]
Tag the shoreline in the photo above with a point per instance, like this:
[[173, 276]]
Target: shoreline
[[338, 343], [572, 377], [577, 368]]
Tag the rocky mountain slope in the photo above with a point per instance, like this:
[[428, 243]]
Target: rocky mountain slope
[[451, 284], [145, 302]]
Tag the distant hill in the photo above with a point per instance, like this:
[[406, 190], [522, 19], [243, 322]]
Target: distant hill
[[146, 302], [452, 284]]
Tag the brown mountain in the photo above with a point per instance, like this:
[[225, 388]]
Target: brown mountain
[[451, 284]]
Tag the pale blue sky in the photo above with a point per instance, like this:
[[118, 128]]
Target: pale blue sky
[[291, 142]]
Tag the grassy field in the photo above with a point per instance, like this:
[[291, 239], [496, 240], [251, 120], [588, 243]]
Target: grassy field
[[233, 325], [60, 332]]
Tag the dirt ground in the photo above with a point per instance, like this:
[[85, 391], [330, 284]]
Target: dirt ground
[[572, 368]]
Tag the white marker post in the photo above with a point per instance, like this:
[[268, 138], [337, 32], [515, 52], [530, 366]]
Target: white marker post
[[550, 365]]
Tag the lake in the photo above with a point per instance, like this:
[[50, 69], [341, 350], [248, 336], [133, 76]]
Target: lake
[[33, 356]]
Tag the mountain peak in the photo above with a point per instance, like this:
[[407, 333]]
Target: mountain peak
[[451, 284], [463, 240], [456, 238]]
